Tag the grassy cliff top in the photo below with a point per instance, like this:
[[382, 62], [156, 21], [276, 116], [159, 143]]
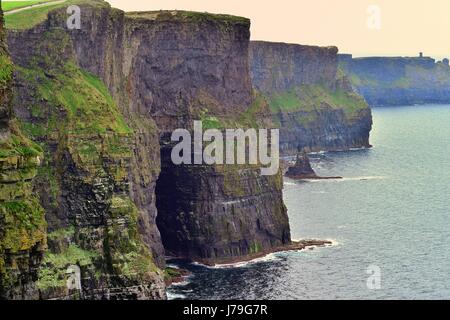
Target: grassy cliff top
[[317, 98], [27, 19], [30, 17], [293, 45], [12, 5], [187, 16], [395, 59]]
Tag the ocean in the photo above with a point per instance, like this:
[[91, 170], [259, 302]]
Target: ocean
[[389, 219]]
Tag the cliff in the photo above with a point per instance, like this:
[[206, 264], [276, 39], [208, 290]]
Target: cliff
[[390, 81], [22, 223], [310, 98], [101, 102], [101, 164]]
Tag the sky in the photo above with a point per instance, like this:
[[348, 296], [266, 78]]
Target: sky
[[360, 27]]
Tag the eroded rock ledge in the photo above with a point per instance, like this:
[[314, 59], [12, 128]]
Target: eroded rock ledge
[[300, 245]]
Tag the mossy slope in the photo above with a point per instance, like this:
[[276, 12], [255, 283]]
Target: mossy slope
[[22, 222], [84, 183], [29, 18]]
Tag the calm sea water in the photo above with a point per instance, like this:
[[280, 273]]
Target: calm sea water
[[392, 210]]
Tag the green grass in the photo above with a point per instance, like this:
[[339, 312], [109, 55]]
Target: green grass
[[53, 272], [6, 70], [63, 86], [252, 117], [314, 98], [128, 255], [89, 106], [11, 5], [24, 224], [73, 255], [179, 15], [285, 101], [27, 19], [60, 234], [18, 145]]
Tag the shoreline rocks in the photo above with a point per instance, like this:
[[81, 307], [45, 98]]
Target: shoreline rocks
[[293, 246], [175, 275], [302, 169]]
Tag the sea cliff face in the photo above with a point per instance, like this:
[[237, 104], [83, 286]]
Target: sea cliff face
[[311, 99], [102, 161], [391, 81], [23, 237], [197, 68], [102, 101]]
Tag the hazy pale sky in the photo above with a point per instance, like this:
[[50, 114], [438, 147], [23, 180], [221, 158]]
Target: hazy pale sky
[[361, 27]]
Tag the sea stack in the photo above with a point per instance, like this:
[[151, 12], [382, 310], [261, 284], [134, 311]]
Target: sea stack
[[302, 168]]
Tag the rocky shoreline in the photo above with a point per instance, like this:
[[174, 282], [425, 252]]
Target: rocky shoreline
[[175, 275], [309, 244], [302, 170]]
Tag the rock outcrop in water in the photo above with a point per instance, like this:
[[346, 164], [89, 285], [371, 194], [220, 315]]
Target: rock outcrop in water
[[311, 99], [391, 81], [101, 102], [302, 168]]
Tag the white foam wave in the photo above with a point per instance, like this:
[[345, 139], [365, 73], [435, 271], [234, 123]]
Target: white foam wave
[[266, 258], [347, 179], [318, 152], [269, 257], [334, 243], [173, 296], [185, 282]]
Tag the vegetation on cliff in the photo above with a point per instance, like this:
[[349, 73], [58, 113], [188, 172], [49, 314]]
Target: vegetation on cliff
[[33, 16], [189, 16], [8, 6], [22, 222], [399, 80], [316, 98], [95, 198], [83, 184], [310, 97]]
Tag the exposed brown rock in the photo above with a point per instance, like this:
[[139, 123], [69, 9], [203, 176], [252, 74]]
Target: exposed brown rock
[[303, 170]]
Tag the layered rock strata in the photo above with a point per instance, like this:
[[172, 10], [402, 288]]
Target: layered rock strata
[[101, 101], [311, 99], [393, 81]]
